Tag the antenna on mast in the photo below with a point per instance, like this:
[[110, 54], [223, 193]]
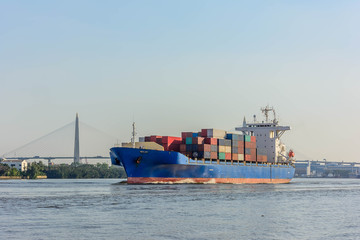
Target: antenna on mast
[[266, 111]]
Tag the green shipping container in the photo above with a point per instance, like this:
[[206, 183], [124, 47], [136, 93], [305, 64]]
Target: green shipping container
[[189, 140], [247, 138], [221, 156]]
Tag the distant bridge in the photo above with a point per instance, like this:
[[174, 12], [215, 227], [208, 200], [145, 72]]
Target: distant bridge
[[61, 145]]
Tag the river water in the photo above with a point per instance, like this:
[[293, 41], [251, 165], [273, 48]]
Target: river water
[[107, 209]]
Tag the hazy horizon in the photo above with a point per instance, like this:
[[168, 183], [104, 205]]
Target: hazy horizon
[[176, 66]]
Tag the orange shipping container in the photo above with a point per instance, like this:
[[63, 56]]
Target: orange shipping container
[[204, 147], [212, 141], [250, 145]]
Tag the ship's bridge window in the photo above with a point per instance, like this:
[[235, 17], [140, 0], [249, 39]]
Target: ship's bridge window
[[272, 134]]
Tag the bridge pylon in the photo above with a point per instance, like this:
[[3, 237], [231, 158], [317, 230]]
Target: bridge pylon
[[76, 143]]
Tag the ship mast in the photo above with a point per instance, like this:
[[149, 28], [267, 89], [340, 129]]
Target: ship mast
[[266, 111], [133, 135]]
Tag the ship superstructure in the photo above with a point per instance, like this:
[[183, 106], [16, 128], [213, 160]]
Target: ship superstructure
[[268, 134]]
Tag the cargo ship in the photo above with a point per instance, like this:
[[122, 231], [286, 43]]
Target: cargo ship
[[254, 154]]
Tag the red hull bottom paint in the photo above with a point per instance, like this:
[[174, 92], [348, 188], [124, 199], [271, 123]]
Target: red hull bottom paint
[[137, 180]]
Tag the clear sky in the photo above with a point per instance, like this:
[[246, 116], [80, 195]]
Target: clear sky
[[181, 66]]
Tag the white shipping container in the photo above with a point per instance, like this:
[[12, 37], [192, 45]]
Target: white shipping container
[[216, 133]]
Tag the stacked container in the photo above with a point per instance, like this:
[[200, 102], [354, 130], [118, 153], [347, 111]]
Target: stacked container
[[250, 148], [212, 144], [168, 142], [261, 155], [237, 146]]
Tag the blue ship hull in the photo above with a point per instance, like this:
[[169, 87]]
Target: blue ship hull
[[153, 166]]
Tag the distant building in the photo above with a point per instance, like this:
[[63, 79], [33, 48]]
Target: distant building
[[308, 168], [20, 165]]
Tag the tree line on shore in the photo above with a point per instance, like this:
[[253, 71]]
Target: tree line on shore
[[35, 169]]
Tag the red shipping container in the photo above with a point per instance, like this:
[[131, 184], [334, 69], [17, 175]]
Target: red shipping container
[[197, 140], [153, 138], [204, 148], [241, 144], [212, 141], [241, 150], [204, 132], [174, 147], [261, 158], [169, 139], [214, 155], [253, 151], [235, 156], [228, 156], [253, 139], [147, 139], [250, 158], [182, 147], [186, 134], [250, 145]]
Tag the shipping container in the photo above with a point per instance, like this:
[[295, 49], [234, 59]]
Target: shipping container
[[234, 143], [241, 144], [250, 145], [212, 141], [186, 134], [205, 147], [253, 151], [221, 155], [215, 133], [182, 148], [241, 150], [224, 142], [214, 148], [153, 138], [141, 139], [203, 133], [241, 157], [253, 139], [227, 149], [234, 136], [206, 155], [221, 148], [195, 134], [213, 155], [250, 158], [188, 147], [235, 150], [228, 156], [247, 151], [197, 140], [175, 146], [189, 140], [247, 138], [261, 158], [234, 156]]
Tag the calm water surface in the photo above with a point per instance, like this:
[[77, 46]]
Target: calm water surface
[[105, 209]]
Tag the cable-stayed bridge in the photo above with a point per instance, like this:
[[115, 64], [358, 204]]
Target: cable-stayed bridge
[[75, 141]]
